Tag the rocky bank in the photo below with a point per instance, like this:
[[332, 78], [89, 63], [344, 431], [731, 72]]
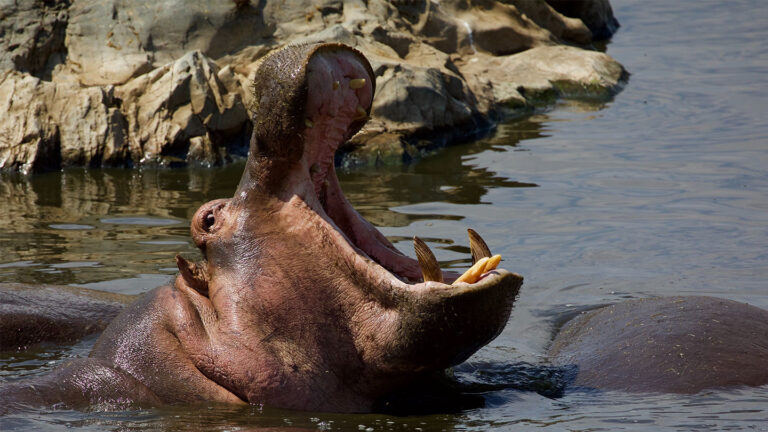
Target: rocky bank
[[132, 82]]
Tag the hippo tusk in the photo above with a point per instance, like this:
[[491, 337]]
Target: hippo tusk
[[492, 263], [430, 269], [478, 246]]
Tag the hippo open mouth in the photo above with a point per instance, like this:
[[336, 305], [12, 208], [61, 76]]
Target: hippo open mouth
[[298, 302], [338, 92], [321, 300]]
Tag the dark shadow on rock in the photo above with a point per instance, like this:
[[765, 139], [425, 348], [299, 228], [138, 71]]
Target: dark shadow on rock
[[244, 26], [597, 15]]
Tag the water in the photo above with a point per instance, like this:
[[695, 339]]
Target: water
[[662, 191]]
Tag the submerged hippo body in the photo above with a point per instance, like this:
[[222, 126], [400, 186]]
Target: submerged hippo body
[[299, 302], [667, 344], [34, 314]]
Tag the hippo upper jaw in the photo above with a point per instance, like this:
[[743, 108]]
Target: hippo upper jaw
[[304, 303]]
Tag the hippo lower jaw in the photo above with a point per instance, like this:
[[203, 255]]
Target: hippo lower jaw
[[397, 325], [374, 258]]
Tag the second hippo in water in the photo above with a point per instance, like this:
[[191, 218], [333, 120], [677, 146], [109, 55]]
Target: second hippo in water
[[667, 344]]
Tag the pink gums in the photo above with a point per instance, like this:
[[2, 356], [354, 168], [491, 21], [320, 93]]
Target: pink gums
[[331, 110]]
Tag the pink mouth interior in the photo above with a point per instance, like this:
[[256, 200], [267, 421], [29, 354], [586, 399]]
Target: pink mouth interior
[[331, 108]]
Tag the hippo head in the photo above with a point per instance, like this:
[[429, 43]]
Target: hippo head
[[304, 303]]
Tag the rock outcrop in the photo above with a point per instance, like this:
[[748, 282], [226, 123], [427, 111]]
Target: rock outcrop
[[122, 83]]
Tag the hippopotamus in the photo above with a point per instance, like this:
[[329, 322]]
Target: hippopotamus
[[299, 302], [666, 344]]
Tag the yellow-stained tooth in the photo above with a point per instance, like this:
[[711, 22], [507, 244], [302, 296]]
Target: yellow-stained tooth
[[474, 272], [308, 123], [477, 246], [483, 265], [336, 85], [492, 263], [430, 269], [360, 113], [356, 83]]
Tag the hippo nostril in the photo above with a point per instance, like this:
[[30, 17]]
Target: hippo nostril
[[209, 220]]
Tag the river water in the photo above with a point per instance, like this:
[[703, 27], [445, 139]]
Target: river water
[[661, 191]]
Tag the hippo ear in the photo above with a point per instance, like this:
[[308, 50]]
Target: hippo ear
[[194, 275]]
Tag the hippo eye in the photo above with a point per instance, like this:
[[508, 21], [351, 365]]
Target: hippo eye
[[209, 220]]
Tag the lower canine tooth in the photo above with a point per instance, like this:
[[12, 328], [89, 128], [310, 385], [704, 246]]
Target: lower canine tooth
[[477, 246], [308, 123], [492, 263], [430, 269]]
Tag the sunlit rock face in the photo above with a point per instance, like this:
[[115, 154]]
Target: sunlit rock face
[[129, 83]]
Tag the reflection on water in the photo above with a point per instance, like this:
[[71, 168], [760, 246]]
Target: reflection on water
[[84, 226], [662, 191], [449, 176], [40, 359], [399, 197]]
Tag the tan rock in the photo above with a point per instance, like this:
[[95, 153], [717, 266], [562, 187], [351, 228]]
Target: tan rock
[[561, 26], [92, 131], [32, 35], [414, 98], [540, 75], [147, 82], [501, 29], [29, 138], [48, 125], [182, 100]]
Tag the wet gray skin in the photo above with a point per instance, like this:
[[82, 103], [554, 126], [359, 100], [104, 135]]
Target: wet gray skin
[[34, 314], [668, 344], [298, 302]]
